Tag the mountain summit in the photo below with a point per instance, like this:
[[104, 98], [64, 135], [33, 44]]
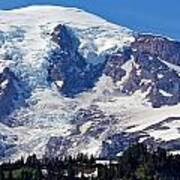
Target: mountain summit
[[73, 82]]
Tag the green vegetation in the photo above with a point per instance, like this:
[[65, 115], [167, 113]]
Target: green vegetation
[[136, 163]]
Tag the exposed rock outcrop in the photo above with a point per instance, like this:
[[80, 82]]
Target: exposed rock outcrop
[[67, 64], [158, 46], [150, 72], [10, 93]]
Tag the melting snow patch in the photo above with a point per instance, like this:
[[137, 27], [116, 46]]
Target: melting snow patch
[[4, 84], [164, 93], [172, 66]]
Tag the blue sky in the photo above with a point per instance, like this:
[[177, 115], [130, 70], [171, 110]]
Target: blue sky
[[157, 16]]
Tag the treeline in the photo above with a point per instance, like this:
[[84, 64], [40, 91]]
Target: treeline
[[136, 163]]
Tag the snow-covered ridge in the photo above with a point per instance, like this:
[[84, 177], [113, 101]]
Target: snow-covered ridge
[[26, 37], [53, 14]]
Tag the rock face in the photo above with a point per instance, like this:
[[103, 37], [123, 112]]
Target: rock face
[[10, 93], [151, 54], [68, 66], [151, 70], [114, 63], [158, 46]]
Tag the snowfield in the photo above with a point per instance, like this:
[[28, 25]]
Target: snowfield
[[25, 44]]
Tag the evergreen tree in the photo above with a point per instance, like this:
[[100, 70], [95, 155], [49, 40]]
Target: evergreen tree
[[1, 174], [10, 175]]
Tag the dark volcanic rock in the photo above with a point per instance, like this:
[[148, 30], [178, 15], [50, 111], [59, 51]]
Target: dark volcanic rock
[[64, 37], [67, 65], [133, 82], [149, 51], [158, 46], [114, 63], [11, 94]]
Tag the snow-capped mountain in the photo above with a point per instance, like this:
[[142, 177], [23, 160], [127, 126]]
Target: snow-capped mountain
[[72, 82]]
